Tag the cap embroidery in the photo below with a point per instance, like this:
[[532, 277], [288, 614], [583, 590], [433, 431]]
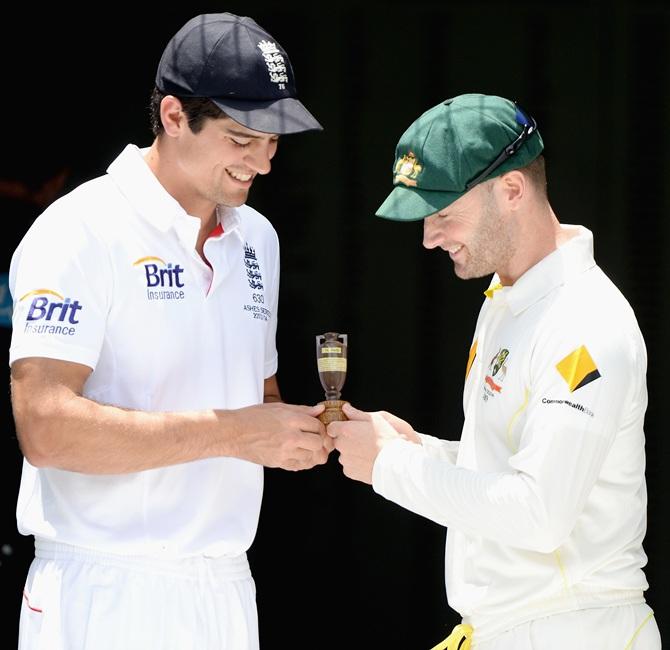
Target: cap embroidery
[[407, 169], [275, 63]]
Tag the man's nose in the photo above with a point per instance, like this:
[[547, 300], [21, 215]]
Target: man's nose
[[430, 231], [259, 158]]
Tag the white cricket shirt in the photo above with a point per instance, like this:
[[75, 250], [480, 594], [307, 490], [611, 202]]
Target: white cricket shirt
[[108, 276], [545, 496]]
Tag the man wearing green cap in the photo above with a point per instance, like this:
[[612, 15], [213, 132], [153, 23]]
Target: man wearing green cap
[[544, 496]]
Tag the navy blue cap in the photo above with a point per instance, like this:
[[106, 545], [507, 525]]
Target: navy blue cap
[[234, 62]]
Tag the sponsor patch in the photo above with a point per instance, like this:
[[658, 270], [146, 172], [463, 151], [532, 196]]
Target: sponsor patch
[[164, 280], [578, 369], [574, 405], [49, 312]]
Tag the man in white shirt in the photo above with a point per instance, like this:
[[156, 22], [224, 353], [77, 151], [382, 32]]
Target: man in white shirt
[[143, 365], [544, 497]]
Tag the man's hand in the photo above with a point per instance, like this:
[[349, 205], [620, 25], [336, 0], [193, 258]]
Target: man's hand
[[281, 435], [360, 440]]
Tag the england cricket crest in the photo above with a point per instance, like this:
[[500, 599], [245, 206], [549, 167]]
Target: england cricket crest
[[256, 307], [252, 268]]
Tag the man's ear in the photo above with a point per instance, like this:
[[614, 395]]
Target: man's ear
[[172, 115], [511, 189]]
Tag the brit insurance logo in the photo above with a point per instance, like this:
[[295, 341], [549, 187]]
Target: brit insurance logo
[[496, 374], [255, 280], [51, 313], [163, 279]]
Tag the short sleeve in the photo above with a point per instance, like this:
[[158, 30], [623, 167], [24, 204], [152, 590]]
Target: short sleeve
[[60, 282]]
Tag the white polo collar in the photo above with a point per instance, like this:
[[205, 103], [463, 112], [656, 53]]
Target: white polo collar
[[569, 260], [150, 199]]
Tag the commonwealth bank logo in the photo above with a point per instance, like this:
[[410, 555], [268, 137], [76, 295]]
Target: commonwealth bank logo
[[578, 369]]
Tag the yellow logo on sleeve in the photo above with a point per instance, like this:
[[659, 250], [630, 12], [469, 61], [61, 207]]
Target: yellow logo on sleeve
[[578, 369], [471, 358]]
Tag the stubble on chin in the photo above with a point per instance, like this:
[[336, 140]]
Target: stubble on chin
[[491, 248], [232, 200]]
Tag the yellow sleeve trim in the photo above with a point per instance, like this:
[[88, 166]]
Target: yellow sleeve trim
[[514, 448]]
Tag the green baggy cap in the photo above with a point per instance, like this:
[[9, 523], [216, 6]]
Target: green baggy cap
[[452, 147]]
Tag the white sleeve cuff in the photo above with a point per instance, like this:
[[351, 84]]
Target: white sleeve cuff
[[438, 448], [391, 464]]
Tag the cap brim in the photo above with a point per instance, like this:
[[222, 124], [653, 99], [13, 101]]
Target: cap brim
[[281, 116], [411, 204]]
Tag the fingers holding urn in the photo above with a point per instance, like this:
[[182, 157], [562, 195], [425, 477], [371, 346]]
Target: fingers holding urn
[[360, 439], [308, 448], [311, 434], [299, 459], [277, 434], [353, 413], [328, 442], [339, 432], [333, 429], [307, 417]]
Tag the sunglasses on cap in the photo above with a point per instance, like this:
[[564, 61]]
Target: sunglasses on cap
[[529, 127]]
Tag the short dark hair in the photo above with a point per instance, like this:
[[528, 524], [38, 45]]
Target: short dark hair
[[536, 171], [197, 109]]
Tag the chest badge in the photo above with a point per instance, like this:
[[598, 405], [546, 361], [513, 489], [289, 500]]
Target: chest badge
[[497, 372], [252, 268]]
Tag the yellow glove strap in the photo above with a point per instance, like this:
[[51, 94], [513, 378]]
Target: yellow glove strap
[[459, 639]]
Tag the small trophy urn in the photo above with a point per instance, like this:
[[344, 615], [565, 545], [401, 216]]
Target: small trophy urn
[[331, 361]]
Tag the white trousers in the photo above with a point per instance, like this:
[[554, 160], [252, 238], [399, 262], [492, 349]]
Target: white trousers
[[76, 599], [624, 627]]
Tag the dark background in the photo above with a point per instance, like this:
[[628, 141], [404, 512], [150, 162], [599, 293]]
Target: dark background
[[335, 564]]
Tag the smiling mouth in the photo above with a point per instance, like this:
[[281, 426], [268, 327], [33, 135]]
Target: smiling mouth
[[454, 250], [239, 176]]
